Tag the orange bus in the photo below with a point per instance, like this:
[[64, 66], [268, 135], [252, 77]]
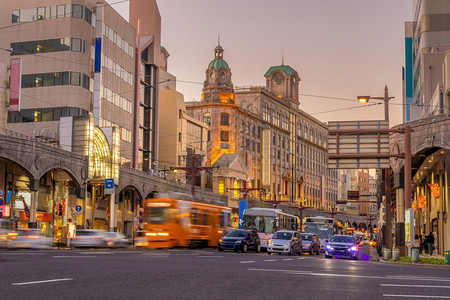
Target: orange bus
[[169, 222]]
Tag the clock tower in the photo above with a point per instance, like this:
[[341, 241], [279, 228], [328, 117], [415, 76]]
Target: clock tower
[[217, 86], [282, 81]]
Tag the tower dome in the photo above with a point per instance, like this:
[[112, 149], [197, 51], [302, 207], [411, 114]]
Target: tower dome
[[218, 62]]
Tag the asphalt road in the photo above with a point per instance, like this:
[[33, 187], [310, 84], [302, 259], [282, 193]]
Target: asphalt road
[[209, 274]]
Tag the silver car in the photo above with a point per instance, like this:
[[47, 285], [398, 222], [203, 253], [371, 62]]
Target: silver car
[[28, 239], [285, 241], [116, 240], [89, 238]]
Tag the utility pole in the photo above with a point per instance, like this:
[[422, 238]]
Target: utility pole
[[192, 170], [245, 190], [300, 209], [275, 202]]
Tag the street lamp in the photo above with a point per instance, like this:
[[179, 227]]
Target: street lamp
[[386, 98]]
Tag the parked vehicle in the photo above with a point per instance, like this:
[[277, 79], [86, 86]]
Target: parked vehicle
[[310, 243], [89, 238], [240, 239], [28, 239], [285, 241], [342, 246]]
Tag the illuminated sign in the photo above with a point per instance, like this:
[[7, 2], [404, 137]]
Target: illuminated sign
[[434, 189], [15, 84]]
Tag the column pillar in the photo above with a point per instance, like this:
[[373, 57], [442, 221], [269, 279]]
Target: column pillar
[[34, 188]]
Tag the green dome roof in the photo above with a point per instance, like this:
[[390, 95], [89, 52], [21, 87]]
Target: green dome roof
[[285, 68], [218, 64]]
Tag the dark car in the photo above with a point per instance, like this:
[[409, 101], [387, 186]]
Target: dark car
[[310, 243], [240, 239], [342, 246]]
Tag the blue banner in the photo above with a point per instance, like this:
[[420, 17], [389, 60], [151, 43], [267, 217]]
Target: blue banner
[[98, 55], [242, 206]]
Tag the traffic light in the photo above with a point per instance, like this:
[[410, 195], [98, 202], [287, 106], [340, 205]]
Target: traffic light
[[375, 230]]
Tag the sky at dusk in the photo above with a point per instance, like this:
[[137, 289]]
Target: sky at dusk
[[340, 48]]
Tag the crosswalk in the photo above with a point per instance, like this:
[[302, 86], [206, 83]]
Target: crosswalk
[[436, 288]]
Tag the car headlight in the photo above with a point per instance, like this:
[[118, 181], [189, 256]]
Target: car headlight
[[220, 240], [238, 242], [329, 247], [269, 241], [354, 248], [307, 245]]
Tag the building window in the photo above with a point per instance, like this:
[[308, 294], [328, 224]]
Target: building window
[[224, 136], [56, 78], [236, 191], [285, 187], [224, 119], [44, 114], [207, 118], [221, 187]]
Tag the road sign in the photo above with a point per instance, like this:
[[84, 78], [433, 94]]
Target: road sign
[[109, 186], [1, 201], [2, 193], [78, 208], [1, 214]]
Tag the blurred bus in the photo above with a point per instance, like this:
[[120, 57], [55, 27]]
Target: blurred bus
[[266, 221], [324, 228], [172, 222]]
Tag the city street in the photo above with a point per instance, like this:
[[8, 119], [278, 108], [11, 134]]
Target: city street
[[209, 274]]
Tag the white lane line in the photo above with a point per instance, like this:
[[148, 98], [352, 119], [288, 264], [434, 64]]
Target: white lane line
[[7, 253], [95, 252], [42, 281], [353, 275], [416, 286], [288, 259], [78, 256], [247, 262], [209, 255], [416, 296], [270, 260], [300, 258]]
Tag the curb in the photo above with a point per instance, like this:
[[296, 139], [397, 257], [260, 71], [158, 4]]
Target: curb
[[382, 261]]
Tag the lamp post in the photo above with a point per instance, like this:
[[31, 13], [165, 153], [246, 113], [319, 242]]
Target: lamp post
[[386, 98], [407, 165]]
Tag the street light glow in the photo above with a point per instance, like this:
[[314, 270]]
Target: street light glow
[[363, 99]]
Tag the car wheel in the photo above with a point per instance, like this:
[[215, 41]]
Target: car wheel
[[269, 253], [219, 248], [327, 256], [311, 251], [244, 248], [258, 248]]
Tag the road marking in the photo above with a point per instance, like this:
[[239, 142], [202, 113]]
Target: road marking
[[247, 262], [417, 286], [209, 255], [95, 252], [300, 258], [64, 256], [23, 253], [288, 259], [416, 296], [270, 260], [353, 275], [42, 281]]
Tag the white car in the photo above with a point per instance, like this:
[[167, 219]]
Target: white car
[[28, 239], [285, 241], [92, 238]]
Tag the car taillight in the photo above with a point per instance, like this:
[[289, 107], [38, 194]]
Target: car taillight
[[32, 236]]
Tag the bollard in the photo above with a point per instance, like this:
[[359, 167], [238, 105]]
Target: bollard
[[447, 257], [415, 255], [386, 254], [395, 254]]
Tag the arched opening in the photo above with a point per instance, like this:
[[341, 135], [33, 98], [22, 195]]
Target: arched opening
[[18, 188], [128, 205]]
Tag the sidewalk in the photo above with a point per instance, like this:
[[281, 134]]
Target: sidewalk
[[431, 256]]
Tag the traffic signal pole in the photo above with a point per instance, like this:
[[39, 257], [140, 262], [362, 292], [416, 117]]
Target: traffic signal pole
[[193, 170]]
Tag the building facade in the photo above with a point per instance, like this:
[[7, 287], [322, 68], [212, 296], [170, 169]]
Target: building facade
[[76, 78], [283, 148]]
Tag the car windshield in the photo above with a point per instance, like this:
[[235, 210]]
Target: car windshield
[[88, 233], [307, 237], [342, 239], [260, 224], [321, 230], [236, 233], [282, 235]]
